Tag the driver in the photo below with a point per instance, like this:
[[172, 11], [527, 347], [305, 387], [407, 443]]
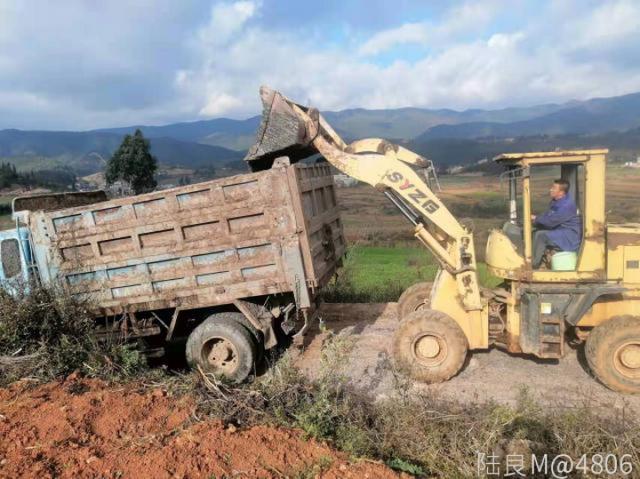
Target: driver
[[560, 227]]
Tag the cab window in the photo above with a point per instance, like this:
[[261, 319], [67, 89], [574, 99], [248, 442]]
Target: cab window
[[10, 256], [542, 178]]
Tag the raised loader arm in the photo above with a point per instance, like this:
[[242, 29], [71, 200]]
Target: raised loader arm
[[292, 130]]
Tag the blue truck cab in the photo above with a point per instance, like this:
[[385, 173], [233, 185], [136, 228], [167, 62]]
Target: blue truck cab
[[18, 260]]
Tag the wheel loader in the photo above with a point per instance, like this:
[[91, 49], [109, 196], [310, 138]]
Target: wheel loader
[[534, 311]]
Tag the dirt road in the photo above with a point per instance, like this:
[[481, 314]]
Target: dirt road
[[492, 375]]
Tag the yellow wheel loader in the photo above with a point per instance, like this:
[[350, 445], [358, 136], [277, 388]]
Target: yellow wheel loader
[[534, 311]]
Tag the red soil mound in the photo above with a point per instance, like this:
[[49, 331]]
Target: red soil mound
[[84, 428]]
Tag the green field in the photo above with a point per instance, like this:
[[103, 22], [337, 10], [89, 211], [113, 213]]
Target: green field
[[381, 274], [5, 219]]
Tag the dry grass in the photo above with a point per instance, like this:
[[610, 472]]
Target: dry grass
[[422, 434], [53, 333]]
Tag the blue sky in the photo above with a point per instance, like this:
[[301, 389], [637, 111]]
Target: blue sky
[[81, 64]]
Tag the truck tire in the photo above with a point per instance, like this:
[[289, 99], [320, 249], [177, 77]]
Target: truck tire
[[430, 346], [414, 298], [223, 346], [258, 337], [613, 353]]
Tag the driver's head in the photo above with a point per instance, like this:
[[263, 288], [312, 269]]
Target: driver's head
[[559, 189]]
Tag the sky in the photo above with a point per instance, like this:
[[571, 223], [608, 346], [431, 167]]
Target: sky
[[84, 64]]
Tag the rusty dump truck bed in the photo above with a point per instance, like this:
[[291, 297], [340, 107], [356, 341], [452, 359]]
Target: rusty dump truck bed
[[270, 232]]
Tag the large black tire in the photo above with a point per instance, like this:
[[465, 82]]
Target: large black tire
[[258, 337], [223, 346], [613, 353], [414, 298], [430, 346]]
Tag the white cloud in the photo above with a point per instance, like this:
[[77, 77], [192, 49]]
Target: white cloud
[[505, 40], [226, 20], [407, 33], [610, 22], [511, 67], [80, 64], [219, 104], [468, 17], [471, 16]]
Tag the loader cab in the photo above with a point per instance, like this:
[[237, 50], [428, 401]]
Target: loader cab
[[528, 176]]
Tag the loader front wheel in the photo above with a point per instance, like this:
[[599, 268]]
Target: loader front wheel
[[414, 298], [613, 353], [430, 346], [222, 346]]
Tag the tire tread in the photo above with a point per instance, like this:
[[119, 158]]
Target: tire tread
[[456, 342], [411, 295], [596, 346]]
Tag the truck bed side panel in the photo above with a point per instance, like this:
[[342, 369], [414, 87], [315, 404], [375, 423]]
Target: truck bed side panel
[[200, 245]]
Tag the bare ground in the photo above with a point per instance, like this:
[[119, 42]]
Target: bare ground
[[488, 375], [79, 428]]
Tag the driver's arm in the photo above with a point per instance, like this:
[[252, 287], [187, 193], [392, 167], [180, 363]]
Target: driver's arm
[[553, 218]]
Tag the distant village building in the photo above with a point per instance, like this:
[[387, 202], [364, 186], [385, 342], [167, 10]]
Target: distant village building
[[633, 164], [344, 181], [119, 189], [83, 185]]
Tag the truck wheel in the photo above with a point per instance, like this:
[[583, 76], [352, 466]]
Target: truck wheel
[[414, 298], [258, 337], [430, 345], [613, 353], [221, 345]]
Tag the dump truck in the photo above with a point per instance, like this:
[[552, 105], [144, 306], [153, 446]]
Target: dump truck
[[234, 265], [535, 311]]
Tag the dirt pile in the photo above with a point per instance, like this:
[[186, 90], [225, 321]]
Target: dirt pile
[[84, 428]]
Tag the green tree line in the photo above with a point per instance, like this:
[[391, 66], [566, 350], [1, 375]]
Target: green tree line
[[55, 179]]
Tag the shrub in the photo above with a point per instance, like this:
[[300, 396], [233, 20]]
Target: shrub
[[55, 332]]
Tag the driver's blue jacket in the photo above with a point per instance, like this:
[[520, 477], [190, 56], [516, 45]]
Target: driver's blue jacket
[[563, 222]]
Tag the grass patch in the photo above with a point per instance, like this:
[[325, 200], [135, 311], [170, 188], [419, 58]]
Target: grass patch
[[6, 223], [380, 274], [5, 213]]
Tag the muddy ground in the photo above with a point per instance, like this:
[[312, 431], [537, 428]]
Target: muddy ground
[[81, 428], [491, 375]]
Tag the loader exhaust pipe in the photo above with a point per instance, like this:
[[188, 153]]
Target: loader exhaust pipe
[[281, 133]]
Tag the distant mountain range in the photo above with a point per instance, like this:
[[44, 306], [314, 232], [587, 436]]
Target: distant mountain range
[[232, 134], [447, 136], [401, 123], [589, 117], [87, 152], [623, 146]]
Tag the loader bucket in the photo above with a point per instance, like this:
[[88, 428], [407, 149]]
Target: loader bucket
[[281, 133]]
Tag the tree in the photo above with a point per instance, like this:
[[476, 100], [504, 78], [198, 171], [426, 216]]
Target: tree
[[133, 163]]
